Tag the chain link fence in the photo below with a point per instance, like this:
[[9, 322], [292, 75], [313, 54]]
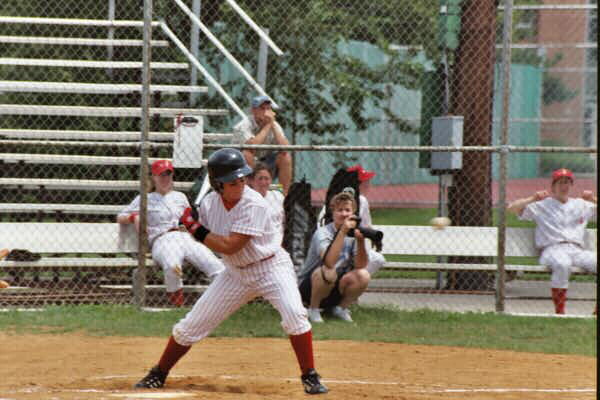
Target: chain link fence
[[351, 74]]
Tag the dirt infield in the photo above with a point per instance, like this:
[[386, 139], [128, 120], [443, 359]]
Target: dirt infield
[[77, 366]]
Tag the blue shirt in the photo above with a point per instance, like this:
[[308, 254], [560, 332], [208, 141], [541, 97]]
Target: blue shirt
[[321, 239]]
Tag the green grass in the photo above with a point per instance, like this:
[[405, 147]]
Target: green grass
[[421, 216], [493, 331]]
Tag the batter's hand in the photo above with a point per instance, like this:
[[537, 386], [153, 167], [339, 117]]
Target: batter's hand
[[541, 195], [189, 219]]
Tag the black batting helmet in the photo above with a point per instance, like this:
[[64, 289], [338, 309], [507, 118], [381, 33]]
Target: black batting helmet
[[226, 165]]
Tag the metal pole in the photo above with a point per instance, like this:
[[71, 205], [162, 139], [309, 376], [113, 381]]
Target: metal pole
[[440, 213], [139, 282], [263, 53], [203, 70], [506, 59], [195, 48], [223, 49], [111, 35], [256, 28], [445, 181]]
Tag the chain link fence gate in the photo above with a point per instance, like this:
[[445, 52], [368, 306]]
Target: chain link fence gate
[[351, 74]]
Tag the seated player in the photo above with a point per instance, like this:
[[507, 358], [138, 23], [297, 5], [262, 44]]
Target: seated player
[[170, 246]]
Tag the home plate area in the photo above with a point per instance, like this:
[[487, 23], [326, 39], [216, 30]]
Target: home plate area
[[77, 366]]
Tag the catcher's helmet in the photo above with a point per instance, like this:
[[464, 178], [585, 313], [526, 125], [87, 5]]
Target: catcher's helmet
[[226, 165]]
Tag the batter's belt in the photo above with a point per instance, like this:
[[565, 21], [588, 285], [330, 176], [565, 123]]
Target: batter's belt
[[256, 262]]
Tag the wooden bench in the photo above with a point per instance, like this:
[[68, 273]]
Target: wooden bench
[[463, 241]]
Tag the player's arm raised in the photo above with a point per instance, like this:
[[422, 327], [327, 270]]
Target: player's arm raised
[[519, 205]]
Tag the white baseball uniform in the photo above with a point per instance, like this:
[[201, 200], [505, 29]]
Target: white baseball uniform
[[170, 246], [261, 268], [559, 234], [275, 199]]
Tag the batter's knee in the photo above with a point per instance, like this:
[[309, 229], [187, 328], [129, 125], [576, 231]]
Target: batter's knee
[[295, 320], [185, 338]]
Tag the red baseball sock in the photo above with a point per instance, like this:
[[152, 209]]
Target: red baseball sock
[[172, 353], [302, 345], [176, 297], [559, 297]]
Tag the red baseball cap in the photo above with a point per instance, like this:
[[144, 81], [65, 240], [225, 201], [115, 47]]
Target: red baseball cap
[[562, 173], [160, 166], [363, 174]]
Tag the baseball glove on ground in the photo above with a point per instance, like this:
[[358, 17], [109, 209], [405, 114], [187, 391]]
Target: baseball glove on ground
[[22, 255]]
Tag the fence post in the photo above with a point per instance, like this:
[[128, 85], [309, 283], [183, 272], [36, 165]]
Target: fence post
[[111, 35], [506, 59], [195, 50], [139, 280], [263, 52]]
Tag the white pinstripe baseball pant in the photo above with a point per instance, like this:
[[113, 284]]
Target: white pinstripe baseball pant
[[273, 279]]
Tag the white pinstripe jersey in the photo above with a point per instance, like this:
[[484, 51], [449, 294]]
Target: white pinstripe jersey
[[251, 216]]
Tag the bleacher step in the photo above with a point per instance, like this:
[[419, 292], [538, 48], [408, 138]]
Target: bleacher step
[[81, 184], [42, 62], [67, 41], [72, 159], [100, 135], [92, 88], [82, 111]]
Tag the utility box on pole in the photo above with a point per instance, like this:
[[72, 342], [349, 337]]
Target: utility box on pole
[[446, 131]]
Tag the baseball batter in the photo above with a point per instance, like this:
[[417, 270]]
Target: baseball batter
[[560, 229], [236, 221], [170, 246]]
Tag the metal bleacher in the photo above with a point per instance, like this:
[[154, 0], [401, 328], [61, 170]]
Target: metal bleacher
[[70, 144], [68, 170]]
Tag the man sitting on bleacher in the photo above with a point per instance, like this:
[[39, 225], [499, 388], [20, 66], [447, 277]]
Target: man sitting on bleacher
[[261, 127], [560, 229]]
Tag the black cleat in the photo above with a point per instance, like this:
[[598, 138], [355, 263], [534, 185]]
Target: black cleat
[[312, 383], [154, 380]]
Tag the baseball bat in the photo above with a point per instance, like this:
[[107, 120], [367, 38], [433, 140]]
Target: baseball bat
[[204, 189]]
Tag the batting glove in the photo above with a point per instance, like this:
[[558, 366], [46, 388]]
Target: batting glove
[[189, 219]]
